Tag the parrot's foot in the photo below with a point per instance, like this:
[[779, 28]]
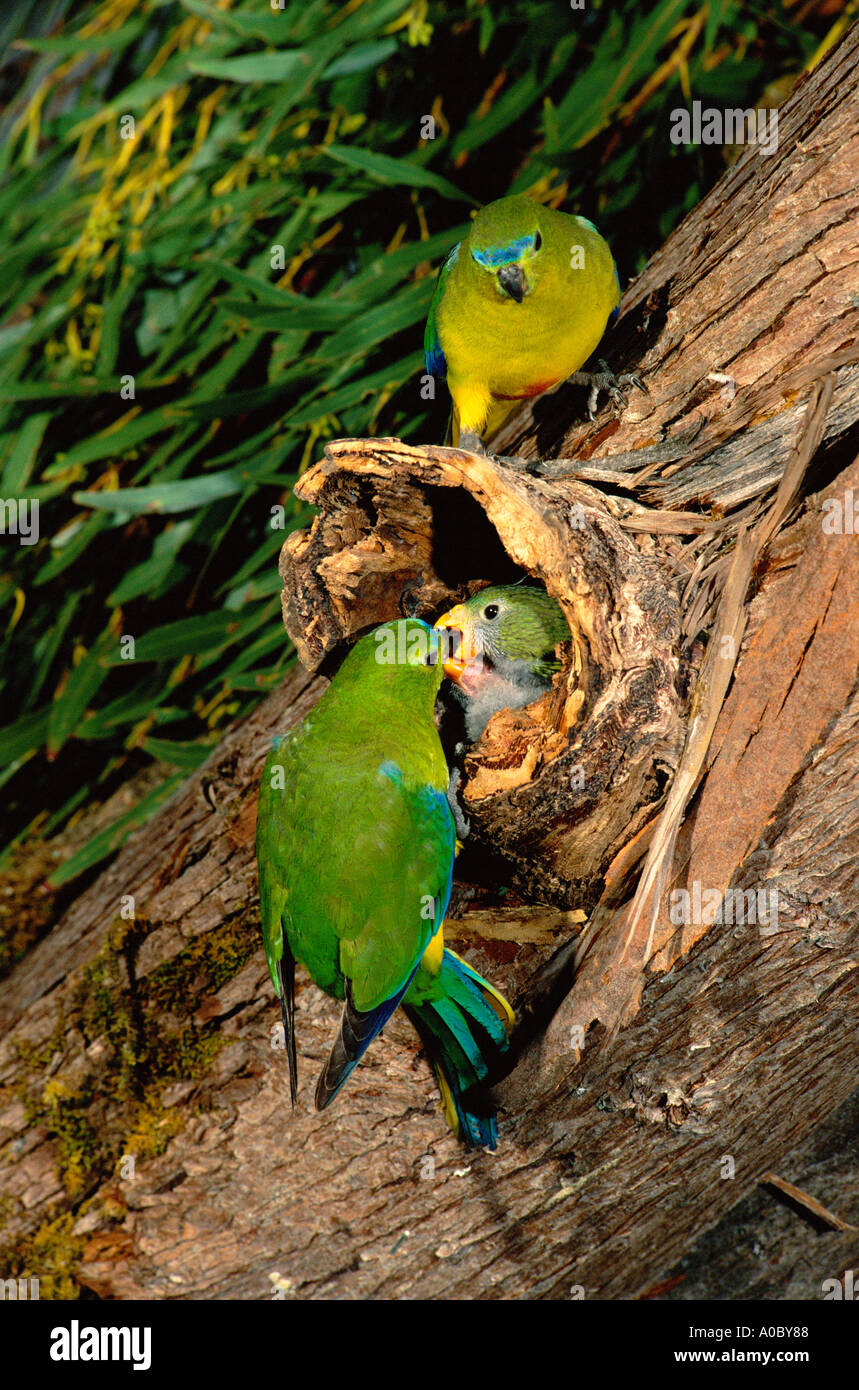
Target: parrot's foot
[[475, 445], [605, 380], [470, 440], [461, 824]]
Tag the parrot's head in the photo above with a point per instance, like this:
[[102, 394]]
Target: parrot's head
[[410, 649], [514, 628], [505, 242]]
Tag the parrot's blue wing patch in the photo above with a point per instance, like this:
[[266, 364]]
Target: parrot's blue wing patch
[[435, 359], [435, 809], [441, 809]]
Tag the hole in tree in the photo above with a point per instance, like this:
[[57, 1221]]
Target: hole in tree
[[465, 544]]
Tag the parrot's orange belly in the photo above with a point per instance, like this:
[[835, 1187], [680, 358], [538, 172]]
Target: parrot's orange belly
[[536, 390]]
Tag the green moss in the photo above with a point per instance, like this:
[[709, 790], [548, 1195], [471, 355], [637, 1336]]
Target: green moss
[[151, 1024], [79, 1152], [210, 960], [100, 1111], [26, 905], [152, 1130], [103, 1004], [51, 1254]]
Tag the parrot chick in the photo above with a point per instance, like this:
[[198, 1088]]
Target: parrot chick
[[355, 848], [519, 306], [502, 650]]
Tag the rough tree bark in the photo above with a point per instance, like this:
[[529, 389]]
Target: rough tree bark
[[153, 1038]]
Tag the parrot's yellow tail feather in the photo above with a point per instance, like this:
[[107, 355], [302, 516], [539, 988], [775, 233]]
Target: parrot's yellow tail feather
[[434, 954], [505, 1011], [448, 1108]]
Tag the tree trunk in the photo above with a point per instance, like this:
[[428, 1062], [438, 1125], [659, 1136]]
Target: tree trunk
[[148, 1147]]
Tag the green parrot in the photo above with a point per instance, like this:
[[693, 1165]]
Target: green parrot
[[503, 653], [355, 848], [520, 304]]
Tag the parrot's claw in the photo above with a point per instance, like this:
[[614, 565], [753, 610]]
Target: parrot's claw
[[461, 824], [475, 445], [514, 461], [605, 380], [470, 440]]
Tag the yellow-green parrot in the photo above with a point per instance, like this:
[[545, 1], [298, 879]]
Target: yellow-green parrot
[[502, 650], [519, 306], [355, 848]]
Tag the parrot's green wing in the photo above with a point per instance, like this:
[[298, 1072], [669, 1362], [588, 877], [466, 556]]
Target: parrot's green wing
[[435, 361], [404, 855], [355, 866]]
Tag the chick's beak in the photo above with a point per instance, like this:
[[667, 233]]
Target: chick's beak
[[456, 644], [512, 280]]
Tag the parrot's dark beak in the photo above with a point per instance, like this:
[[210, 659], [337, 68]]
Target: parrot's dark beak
[[512, 280]]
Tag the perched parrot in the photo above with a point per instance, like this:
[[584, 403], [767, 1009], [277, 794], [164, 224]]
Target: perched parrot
[[355, 848], [518, 307], [502, 655]]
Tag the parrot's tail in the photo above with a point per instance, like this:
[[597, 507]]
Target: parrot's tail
[[357, 1031], [465, 1027]]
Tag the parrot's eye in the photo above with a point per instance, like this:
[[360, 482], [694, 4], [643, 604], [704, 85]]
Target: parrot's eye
[[538, 242], [490, 611]]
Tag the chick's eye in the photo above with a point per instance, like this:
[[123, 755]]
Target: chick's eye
[[490, 611], [538, 242]]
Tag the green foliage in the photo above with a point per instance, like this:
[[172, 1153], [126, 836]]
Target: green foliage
[[149, 262]]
